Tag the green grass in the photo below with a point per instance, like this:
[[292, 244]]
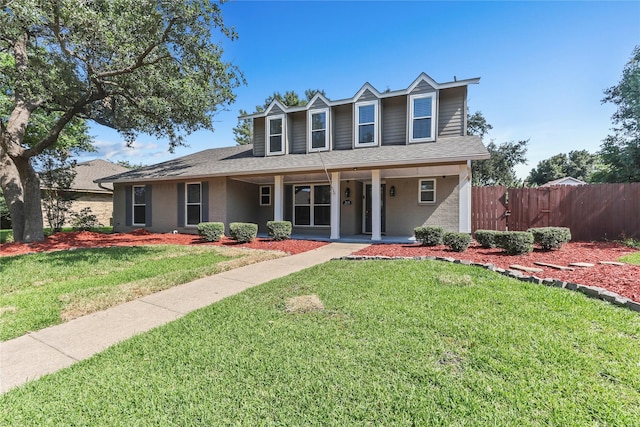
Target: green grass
[[633, 258], [398, 343], [44, 289]]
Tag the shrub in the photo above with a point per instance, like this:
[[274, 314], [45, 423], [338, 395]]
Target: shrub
[[211, 231], [429, 236], [279, 230], [243, 232], [458, 242], [550, 237], [516, 242], [488, 238], [84, 220]]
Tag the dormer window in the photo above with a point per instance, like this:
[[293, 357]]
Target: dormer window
[[421, 118], [366, 124], [275, 135], [318, 129]]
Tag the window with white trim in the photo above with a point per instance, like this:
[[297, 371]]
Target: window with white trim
[[312, 205], [275, 135], [366, 123], [139, 205], [318, 129], [193, 203], [421, 118], [265, 195], [427, 191]]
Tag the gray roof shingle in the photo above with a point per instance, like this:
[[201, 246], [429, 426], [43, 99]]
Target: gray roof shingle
[[239, 160]]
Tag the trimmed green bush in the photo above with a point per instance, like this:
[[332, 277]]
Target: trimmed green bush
[[279, 230], [211, 231], [550, 237], [458, 242], [429, 236], [488, 238], [516, 242], [243, 232]]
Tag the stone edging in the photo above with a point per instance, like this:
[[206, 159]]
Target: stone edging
[[590, 291]]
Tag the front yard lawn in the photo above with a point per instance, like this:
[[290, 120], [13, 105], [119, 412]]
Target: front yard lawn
[[397, 343], [44, 289]]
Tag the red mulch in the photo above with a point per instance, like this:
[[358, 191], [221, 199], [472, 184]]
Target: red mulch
[[87, 239], [624, 280]]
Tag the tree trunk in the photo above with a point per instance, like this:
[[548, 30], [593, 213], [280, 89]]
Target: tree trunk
[[13, 194], [32, 205]]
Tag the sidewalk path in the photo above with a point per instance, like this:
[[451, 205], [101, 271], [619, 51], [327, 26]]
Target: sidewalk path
[[39, 353]]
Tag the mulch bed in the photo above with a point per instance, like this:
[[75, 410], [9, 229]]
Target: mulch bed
[[623, 280], [87, 239]]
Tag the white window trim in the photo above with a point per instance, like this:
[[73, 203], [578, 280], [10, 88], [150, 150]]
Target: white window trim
[[356, 123], [312, 204], [134, 204], [268, 135], [260, 190], [435, 194], [412, 118], [187, 204], [311, 130]]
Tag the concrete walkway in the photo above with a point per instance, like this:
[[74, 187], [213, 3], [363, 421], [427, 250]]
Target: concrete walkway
[[39, 353]]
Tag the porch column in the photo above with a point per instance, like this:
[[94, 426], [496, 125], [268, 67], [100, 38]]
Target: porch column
[[376, 221], [278, 198], [464, 197], [335, 205]]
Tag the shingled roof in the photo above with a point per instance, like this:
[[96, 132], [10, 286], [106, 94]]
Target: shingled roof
[[88, 172], [239, 160]]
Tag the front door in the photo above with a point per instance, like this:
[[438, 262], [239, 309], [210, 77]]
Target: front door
[[366, 223]]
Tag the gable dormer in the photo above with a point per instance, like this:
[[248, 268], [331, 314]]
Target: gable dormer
[[319, 130], [366, 117]]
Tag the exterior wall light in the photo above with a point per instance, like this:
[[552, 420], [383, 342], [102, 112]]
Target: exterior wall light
[[392, 191], [347, 193]]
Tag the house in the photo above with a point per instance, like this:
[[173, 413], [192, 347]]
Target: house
[[378, 163], [567, 180], [87, 193]]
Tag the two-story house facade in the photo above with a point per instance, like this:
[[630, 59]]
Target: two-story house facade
[[378, 163]]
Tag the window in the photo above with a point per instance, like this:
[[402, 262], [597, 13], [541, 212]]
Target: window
[[366, 123], [139, 205], [421, 123], [318, 130], [312, 205], [275, 135], [427, 191], [265, 195], [194, 203]]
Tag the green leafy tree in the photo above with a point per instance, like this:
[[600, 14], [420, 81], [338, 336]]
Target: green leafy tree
[[135, 66], [499, 169], [620, 152], [578, 164], [56, 170], [243, 132]]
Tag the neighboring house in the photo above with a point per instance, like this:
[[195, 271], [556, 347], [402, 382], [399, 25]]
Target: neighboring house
[[87, 193], [567, 180], [377, 163]]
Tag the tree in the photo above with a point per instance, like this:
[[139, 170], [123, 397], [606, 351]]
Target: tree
[[577, 164], [135, 66], [620, 152], [57, 172], [243, 132], [499, 169]]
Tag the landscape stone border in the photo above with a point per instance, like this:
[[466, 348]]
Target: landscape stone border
[[590, 291]]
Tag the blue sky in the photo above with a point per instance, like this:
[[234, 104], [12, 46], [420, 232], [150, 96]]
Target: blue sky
[[543, 65]]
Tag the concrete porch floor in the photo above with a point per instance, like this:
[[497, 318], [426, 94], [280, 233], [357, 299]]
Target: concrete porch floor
[[353, 238]]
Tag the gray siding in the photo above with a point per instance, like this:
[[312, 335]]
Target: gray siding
[[258, 137], [319, 103], [367, 95], [404, 213], [241, 202], [343, 127], [276, 110], [423, 87], [394, 120], [298, 132], [451, 116]]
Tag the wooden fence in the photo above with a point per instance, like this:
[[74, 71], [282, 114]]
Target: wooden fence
[[592, 212]]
